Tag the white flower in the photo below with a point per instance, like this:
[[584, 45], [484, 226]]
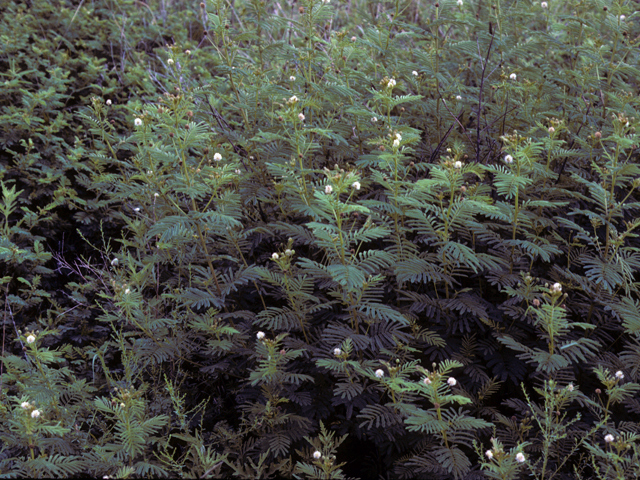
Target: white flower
[[326, 1], [396, 143], [328, 189], [457, 164], [301, 117], [293, 99], [622, 17], [31, 339], [337, 352], [317, 455], [127, 291], [398, 137], [137, 122], [551, 129], [188, 52], [137, 209], [275, 256], [292, 78], [508, 159], [35, 414], [414, 73], [374, 119], [356, 185], [379, 373], [570, 387], [109, 102], [122, 405], [556, 287], [427, 381], [608, 438], [25, 405], [260, 335], [460, 2], [170, 61], [288, 252], [217, 157], [156, 195], [391, 82], [489, 454], [513, 76], [544, 5], [353, 39], [114, 262], [452, 381], [237, 171], [458, 97], [619, 374], [520, 457]]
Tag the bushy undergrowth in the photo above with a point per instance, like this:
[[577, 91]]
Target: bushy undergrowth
[[320, 239]]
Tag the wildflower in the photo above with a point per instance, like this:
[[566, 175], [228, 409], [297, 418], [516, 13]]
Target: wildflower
[[452, 381], [570, 387], [622, 17], [536, 302], [275, 256], [114, 262], [301, 117], [356, 185], [458, 97], [326, 1], [396, 143], [127, 291], [508, 159], [556, 287], [288, 252], [217, 157], [513, 76], [137, 122], [260, 335], [489, 454], [619, 374], [108, 102], [317, 455], [379, 373], [31, 339], [414, 73], [353, 39], [391, 83], [292, 78], [457, 165], [328, 189], [170, 61], [398, 137], [25, 405], [188, 52], [520, 457], [551, 129], [35, 414], [608, 438], [460, 3], [544, 5], [137, 209], [293, 99], [427, 381], [337, 352], [374, 119], [122, 405]]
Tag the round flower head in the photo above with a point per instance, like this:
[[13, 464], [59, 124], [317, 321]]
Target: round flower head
[[292, 78], [317, 455], [608, 438], [35, 414], [489, 454], [452, 381], [619, 374], [114, 262], [396, 143], [25, 405], [260, 335], [217, 157], [31, 339], [414, 73], [622, 17], [544, 5], [427, 381], [570, 387], [275, 256], [379, 373], [513, 76], [457, 165], [293, 99], [108, 102], [460, 3], [392, 82], [288, 252], [328, 189], [556, 287], [337, 352], [301, 117], [170, 61], [356, 185], [520, 457], [508, 159], [127, 291], [137, 122], [374, 119], [458, 97]]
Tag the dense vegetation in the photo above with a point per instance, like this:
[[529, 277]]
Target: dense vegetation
[[320, 239]]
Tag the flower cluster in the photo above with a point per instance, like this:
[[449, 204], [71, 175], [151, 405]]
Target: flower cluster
[[556, 288]]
